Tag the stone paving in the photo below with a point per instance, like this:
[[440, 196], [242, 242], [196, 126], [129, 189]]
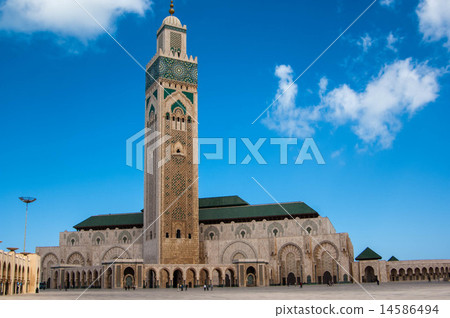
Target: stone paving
[[386, 291]]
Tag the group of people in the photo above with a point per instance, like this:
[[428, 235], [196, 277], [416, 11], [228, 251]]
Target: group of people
[[182, 287], [208, 287], [127, 287]]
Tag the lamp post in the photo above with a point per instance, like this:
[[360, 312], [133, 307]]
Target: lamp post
[[27, 201]]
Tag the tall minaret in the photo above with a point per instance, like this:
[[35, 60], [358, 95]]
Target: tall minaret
[[171, 189]]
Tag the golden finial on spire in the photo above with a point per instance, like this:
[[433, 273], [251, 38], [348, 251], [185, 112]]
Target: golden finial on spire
[[171, 11]]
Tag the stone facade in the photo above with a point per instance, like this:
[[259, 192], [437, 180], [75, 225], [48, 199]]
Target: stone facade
[[399, 271], [19, 273], [291, 253]]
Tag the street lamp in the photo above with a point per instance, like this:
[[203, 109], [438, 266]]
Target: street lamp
[[27, 200]]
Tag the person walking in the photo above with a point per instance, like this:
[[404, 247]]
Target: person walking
[[204, 287]]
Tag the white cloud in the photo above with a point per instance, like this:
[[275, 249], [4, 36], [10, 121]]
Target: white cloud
[[386, 3], [285, 116], [375, 114], [401, 88], [391, 40], [65, 17], [434, 20], [365, 42]]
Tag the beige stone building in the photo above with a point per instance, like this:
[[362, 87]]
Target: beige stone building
[[19, 272], [180, 239]]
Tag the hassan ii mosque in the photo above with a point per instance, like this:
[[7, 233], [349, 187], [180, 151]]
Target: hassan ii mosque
[[180, 239]]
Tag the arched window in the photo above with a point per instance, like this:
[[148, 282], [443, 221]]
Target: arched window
[[98, 241], [211, 235], [167, 234], [167, 116], [189, 236], [72, 242], [178, 234], [275, 232], [243, 234], [124, 240], [308, 230]]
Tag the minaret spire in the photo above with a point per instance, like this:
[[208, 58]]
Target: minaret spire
[[172, 10]]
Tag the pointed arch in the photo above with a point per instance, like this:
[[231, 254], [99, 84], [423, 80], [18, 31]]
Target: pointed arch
[[114, 253]]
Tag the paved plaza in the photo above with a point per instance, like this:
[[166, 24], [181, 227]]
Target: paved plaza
[[417, 290]]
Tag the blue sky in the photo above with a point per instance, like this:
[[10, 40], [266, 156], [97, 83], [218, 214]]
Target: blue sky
[[376, 104]]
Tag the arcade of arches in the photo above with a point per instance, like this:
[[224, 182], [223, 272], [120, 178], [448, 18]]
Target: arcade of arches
[[19, 273]]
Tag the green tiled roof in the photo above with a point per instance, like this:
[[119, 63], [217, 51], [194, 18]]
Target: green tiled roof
[[112, 221], [216, 202], [368, 254], [213, 210], [267, 211], [393, 259]]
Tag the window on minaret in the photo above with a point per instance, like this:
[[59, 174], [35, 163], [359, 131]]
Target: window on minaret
[[175, 43], [178, 234], [308, 230], [243, 234]]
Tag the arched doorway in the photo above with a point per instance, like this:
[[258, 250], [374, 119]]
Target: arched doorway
[[128, 277], [204, 277], [291, 280], [108, 281], [164, 278], [229, 278], [67, 281], [394, 275], [251, 277], [151, 279], [327, 279], [290, 258], [72, 280], [217, 277], [326, 255], [369, 275], [190, 278], [97, 281], [55, 280], [177, 278]]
